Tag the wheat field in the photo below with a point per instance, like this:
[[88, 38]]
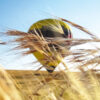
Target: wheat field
[[59, 85], [32, 85]]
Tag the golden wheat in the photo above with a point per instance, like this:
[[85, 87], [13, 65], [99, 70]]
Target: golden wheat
[[62, 85]]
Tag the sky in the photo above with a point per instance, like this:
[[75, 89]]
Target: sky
[[21, 14]]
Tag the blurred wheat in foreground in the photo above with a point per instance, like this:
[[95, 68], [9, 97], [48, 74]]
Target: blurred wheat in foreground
[[61, 85], [8, 90], [30, 85]]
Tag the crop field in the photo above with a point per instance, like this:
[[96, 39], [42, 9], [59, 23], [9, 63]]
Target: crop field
[[40, 85], [58, 85]]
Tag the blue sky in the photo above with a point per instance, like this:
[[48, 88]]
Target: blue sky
[[20, 14]]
